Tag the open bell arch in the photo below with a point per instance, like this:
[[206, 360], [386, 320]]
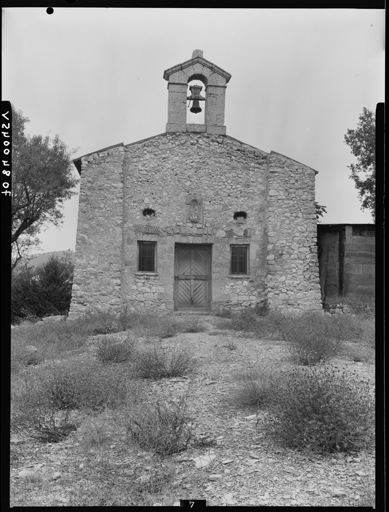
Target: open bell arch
[[215, 81]]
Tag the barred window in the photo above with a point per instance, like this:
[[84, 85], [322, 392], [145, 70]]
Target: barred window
[[239, 259], [147, 251]]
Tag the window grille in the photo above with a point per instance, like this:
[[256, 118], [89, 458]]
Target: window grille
[[239, 259], [147, 256]]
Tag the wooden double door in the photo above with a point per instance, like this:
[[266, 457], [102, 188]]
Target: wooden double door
[[192, 277]]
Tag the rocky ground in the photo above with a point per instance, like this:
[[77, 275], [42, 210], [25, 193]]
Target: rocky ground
[[233, 461]]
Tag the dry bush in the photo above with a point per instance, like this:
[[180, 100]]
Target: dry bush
[[50, 426], [244, 320], [256, 385], [51, 339], [251, 321], [94, 432], [191, 324], [149, 324], [100, 322], [311, 338], [359, 353], [74, 384], [223, 313], [158, 362], [223, 323], [115, 350], [322, 409], [162, 426]]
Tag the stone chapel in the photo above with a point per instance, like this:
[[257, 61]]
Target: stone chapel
[[193, 220]]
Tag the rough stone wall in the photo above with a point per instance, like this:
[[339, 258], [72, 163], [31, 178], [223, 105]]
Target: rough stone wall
[[293, 273], [227, 176], [166, 173], [97, 277]]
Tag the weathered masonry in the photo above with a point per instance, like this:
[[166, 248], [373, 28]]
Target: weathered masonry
[[193, 219], [347, 260]]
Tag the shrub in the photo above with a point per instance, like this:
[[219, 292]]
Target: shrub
[[311, 338], [158, 362], [113, 350], [131, 319], [100, 322], [43, 291], [150, 324], [322, 409], [75, 384], [223, 313], [256, 387], [244, 320], [224, 323], [155, 481], [50, 340], [51, 427], [23, 355], [360, 304], [191, 324], [92, 433], [252, 320], [344, 327], [369, 331], [166, 327], [231, 345], [162, 426], [360, 354]]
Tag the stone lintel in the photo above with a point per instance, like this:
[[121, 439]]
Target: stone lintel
[[216, 130], [196, 128], [175, 127], [214, 86]]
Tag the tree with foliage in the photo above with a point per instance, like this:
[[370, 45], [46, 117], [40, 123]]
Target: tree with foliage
[[362, 144], [42, 291], [320, 210], [41, 182]]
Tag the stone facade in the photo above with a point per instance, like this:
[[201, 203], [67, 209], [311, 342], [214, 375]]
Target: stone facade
[[197, 199]]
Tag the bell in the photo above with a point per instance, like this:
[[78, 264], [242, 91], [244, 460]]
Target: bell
[[195, 107], [196, 98]]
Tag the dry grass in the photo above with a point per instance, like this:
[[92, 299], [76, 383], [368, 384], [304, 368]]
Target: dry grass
[[256, 385], [118, 415], [158, 362], [162, 425]]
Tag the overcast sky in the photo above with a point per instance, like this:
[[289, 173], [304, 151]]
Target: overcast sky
[[300, 78]]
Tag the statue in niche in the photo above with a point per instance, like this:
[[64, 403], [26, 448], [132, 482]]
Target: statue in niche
[[195, 210]]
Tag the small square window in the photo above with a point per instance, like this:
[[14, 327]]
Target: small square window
[[239, 259], [147, 252]]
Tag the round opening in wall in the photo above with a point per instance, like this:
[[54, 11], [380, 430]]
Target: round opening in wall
[[148, 213], [240, 216]]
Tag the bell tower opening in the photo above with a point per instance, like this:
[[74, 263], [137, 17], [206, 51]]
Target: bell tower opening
[[203, 84], [196, 97]]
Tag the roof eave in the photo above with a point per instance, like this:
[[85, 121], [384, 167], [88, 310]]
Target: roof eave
[[77, 161], [197, 60]]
